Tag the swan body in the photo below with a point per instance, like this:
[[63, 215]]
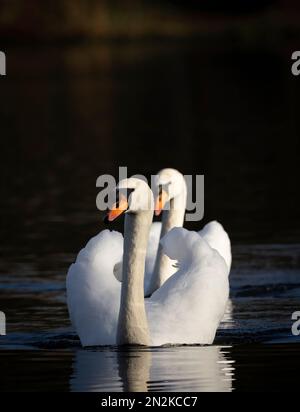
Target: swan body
[[213, 233], [187, 309], [190, 305]]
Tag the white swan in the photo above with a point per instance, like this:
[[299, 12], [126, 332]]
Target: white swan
[[171, 199], [187, 309]]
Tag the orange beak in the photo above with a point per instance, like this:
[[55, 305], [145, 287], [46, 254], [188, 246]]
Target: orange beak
[[160, 202], [117, 209]]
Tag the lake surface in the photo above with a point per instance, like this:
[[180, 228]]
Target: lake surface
[[72, 113], [254, 348]]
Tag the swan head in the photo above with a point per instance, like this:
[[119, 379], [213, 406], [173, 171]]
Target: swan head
[[168, 184], [132, 196]]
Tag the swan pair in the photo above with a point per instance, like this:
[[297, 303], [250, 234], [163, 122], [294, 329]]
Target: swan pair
[[185, 307]]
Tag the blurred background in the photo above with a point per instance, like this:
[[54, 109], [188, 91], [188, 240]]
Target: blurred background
[[132, 19], [202, 86]]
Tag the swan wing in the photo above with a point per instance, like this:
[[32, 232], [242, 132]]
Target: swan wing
[[218, 239], [93, 292], [190, 305]]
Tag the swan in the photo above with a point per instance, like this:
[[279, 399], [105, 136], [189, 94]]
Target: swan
[[186, 309], [170, 191]]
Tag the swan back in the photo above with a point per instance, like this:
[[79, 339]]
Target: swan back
[[190, 305]]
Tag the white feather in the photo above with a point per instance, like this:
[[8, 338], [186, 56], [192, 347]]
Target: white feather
[[186, 309]]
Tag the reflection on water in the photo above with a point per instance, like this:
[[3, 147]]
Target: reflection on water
[[196, 369], [134, 369], [248, 367], [228, 318]]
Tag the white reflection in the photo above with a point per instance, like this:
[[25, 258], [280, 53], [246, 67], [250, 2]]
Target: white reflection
[[195, 369], [228, 319]]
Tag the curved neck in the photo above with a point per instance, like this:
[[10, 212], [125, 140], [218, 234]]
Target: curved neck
[[174, 217], [133, 325]]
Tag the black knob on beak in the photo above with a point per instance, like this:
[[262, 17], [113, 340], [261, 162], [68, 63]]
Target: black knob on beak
[[106, 220]]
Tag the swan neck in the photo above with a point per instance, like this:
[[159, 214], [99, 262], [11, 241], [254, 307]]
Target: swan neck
[[173, 217], [133, 325]]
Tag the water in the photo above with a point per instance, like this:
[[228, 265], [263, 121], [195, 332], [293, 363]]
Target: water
[[254, 348], [72, 113]]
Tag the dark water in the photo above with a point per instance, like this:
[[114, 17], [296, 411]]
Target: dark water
[[222, 109], [254, 348]]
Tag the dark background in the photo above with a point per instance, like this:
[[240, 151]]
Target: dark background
[[202, 86]]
